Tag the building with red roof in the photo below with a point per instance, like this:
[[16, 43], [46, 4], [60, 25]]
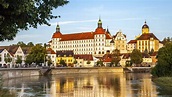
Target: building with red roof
[[95, 42]]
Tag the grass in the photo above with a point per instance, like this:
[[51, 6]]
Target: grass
[[165, 85]]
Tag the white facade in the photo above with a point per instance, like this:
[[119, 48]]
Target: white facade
[[95, 43]]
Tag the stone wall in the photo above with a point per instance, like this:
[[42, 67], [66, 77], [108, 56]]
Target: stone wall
[[28, 72], [87, 70], [15, 72]]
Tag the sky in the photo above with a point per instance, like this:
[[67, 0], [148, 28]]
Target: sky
[[125, 15]]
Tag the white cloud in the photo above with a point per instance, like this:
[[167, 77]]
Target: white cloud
[[71, 22]]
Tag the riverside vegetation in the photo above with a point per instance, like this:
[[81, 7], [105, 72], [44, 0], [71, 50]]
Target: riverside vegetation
[[163, 70]]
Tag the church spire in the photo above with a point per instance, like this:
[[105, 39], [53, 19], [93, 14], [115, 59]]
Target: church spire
[[57, 28], [99, 23]]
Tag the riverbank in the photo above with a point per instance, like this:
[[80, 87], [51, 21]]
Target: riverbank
[[8, 73], [164, 84]]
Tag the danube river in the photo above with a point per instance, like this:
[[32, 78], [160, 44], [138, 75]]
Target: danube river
[[83, 85]]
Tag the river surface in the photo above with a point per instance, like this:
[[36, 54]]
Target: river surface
[[82, 85]]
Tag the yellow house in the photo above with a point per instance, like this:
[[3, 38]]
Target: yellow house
[[67, 56]]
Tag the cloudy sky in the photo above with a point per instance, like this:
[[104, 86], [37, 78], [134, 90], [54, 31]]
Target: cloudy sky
[[126, 15]]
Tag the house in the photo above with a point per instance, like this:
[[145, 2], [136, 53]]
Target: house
[[85, 60]]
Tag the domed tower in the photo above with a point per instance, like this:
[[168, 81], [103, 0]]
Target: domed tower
[[145, 28], [56, 38]]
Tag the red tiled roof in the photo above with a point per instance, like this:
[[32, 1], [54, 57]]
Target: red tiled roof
[[108, 36], [147, 36], [57, 35], [100, 30], [77, 36], [85, 57], [107, 58], [50, 51], [132, 41]]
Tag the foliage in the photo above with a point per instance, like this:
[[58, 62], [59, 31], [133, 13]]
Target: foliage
[[28, 59], [151, 52], [166, 40], [22, 14], [164, 64], [75, 62], [7, 58], [136, 57], [165, 85], [100, 63], [19, 60], [116, 56], [36, 54], [63, 63], [48, 59], [30, 44]]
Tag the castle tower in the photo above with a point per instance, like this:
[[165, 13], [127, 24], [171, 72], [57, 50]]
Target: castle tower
[[145, 28]]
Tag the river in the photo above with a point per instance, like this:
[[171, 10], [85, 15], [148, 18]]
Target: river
[[82, 85]]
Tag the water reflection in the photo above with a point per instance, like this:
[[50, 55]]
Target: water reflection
[[84, 85]]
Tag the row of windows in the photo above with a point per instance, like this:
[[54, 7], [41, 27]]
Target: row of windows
[[83, 52], [101, 35], [69, 60], [77, 41], [99, 52], [79, 45]]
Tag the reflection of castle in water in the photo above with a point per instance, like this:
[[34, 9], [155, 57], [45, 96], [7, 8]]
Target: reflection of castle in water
[[105, 85], [86, 85]]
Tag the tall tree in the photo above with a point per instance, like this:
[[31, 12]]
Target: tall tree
[[37, 54], [136, 57], [21, 43], [164, 64], [116, 56], [30, 44], [22, 14], [19, 60]]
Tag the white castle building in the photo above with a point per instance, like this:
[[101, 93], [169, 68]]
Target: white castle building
[[96, 42]]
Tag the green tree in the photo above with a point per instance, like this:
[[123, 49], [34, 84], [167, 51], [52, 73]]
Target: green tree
[[166, 40], [116, 56], [8, 59], [63, 63], [22, 14], [100, 63], [30, 44], [164, 64], [136, 57], [28, 59], [19, 60], [21, 43], [36, 54], [75, 62]]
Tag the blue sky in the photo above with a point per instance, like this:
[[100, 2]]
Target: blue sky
[[126, 15]]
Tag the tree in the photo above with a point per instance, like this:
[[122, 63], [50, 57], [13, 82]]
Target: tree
[[151, 52], [19, 60], [166, 40], [8, 59], [136, 57], [30, 44], [21, 43], [116, 56], [18, 15], [164, 64], [100, 63], [37, 54], [75, 62], [63, 63]]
